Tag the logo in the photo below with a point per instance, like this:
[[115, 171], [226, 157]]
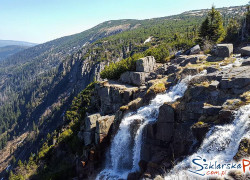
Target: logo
[[203, 167]]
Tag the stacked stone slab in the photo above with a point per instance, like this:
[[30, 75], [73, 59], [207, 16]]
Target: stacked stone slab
[[95, 128], [143, 68], [145, 64]]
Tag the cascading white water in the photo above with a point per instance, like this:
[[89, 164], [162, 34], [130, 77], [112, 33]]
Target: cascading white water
[[221, 144], [125, 151]]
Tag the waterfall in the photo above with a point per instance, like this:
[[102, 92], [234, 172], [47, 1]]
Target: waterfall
[[124, 154], [220, 144]]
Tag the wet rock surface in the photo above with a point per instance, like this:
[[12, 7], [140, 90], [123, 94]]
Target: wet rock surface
[[182, 125], [243, 150]]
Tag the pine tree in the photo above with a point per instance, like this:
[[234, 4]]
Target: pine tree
[[204, 30], [20, 164], [233, 29], [212, 27]]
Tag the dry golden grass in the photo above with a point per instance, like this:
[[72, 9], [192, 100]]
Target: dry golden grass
[[204, 84], [207, 104], [246, 97], [159, 86], [175, 104], [233, 104], [124, 108]]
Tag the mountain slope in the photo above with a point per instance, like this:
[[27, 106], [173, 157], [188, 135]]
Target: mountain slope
[[39, 83], [7, 51], [28, 76]]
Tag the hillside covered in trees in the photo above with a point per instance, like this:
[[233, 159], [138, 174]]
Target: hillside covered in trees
[[42, 89]]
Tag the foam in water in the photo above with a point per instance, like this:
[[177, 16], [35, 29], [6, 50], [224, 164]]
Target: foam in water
[[221, 144], [125, 151]]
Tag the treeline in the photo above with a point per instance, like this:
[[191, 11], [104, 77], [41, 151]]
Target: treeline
[[210, 32], [237, 28]]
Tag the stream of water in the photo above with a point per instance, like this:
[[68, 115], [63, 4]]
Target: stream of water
[[125, 152]]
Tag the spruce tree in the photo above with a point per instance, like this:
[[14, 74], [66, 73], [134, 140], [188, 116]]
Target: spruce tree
[[212, 27], [248, 20], [204, 30]]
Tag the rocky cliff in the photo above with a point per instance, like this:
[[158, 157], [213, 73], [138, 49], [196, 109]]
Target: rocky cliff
[[181, 126]]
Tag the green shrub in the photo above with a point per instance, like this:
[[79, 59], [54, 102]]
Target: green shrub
[[43, 151], [65, 135], [114, 70], [160, 53]]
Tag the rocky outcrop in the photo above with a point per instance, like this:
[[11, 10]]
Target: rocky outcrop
[[144, 69], [236, 79], [223, 50], [244, 149], [163, 140], [181, 126], [95, 128], [134, 78], [200, 130], [245, 51], [145, 64], [183, 60], [112, 95], [103, 125], [194, 50]]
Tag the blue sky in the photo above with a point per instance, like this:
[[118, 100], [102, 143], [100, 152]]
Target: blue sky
[[43, 20]]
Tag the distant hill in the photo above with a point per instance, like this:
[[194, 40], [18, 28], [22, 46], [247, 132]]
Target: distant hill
[[15, 43], [7, 51]]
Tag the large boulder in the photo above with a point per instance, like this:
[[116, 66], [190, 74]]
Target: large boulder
[[194, 50], [165, 124], [245, 51], [112, 95], [166, 114], [125, 78], [159, 134], [236, 79], [102, 127], [145, 64], [138, 78], [183, 60], [223, 50], [134, 78]]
